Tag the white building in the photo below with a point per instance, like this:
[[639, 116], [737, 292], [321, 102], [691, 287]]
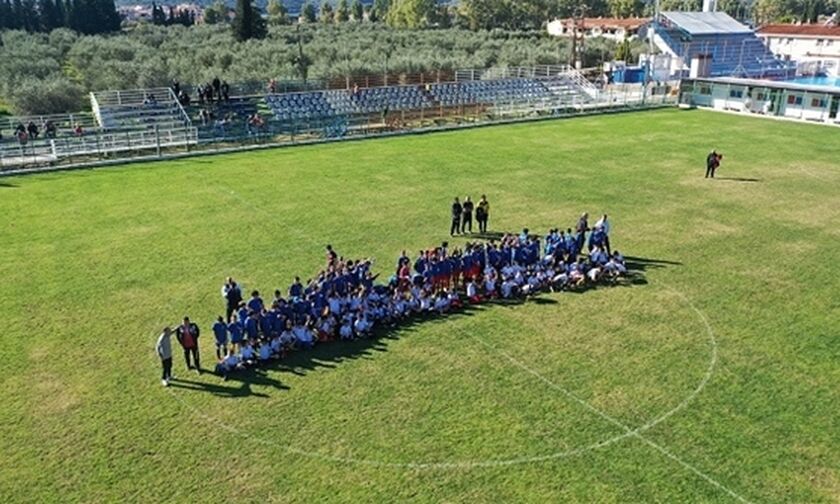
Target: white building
[[610, 28], [814, 47], [781, 99]]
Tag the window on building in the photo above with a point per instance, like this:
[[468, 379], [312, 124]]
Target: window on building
[[818, 102], [735, 93], [820, 42], [760, 96], [794, 100], [705, 89]]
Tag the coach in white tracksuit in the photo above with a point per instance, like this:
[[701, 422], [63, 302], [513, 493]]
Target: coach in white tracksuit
[[164, 351], [604, 224]]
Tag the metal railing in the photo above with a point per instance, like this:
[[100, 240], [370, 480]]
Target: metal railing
[[94, 146], [102, 146]]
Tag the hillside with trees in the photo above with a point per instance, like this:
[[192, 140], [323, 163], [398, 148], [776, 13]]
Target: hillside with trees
[[54, 72]]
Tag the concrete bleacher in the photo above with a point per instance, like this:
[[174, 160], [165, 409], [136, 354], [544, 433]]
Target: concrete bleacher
[[147, 121], [227, 118], [733, 48], [339, 102], [556, 90], [139, 109]]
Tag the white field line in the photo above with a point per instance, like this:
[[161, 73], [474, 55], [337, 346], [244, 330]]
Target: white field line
[[637, 431], [627, 432]]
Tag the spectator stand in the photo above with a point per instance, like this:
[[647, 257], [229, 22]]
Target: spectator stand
[[148, 123]]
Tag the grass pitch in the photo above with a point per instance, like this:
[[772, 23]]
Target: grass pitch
[[531, 402]]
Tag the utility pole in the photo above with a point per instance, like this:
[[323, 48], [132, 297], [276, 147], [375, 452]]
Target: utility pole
[[578, 17]]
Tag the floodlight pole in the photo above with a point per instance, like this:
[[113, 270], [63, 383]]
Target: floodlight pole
[[651, 47]]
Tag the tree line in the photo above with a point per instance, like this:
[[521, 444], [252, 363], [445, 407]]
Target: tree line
[[53, 72], [84, 16], [533, 14], [183, 17]]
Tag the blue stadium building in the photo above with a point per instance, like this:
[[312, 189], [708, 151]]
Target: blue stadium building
[[713, 44]]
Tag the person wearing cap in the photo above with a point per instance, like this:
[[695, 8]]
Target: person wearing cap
[[187, 334], [164, 351]]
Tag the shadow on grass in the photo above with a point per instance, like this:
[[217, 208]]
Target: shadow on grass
[[738, 179], [7, 184], [245, 379], [330, 355]]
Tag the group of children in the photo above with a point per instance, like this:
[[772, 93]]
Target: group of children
[[345, 301]]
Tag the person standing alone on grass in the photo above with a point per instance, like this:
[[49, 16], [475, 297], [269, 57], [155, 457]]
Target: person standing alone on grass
[[466, 216], [482, 213], [164, 351], [457, 209], [187, 334], [712, 163]]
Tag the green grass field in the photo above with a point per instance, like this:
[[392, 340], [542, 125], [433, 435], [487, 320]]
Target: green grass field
[[620, 394]]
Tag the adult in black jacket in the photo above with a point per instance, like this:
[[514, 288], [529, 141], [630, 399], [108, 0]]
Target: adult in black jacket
[[217, 87], [457, 209], [187, 335], [233, 294], [712, 162], [466, 219]]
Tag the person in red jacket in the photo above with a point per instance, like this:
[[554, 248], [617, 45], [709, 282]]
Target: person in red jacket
[[187, 334]]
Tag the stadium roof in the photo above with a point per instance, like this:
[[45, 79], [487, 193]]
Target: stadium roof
[[706, 23], [805, 30]]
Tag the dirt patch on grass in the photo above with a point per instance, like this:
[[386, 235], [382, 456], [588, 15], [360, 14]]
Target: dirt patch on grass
[[52, 396]]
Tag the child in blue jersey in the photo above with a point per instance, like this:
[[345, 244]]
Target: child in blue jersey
[[287, 338], [252, 327], [249, 356], [220, 332], [265, 353], [235, 330], [266, 324], [296, 289], [229, 364], [304, 335], [242, 313], [255, 304]]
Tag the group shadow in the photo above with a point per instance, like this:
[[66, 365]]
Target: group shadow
[[329, 355]]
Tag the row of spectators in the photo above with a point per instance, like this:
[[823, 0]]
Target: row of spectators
[[215, 90], [31, 131]]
